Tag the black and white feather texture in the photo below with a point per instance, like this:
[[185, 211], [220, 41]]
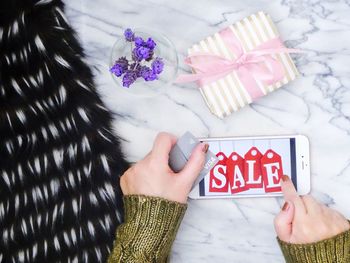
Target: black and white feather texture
[[60, 162]]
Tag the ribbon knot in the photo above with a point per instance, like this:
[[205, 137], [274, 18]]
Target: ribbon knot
[[252, 66], [241, 61]]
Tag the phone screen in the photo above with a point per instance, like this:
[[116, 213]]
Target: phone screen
[[249, 166]]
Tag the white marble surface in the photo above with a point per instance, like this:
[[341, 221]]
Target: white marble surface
[[317, 105]]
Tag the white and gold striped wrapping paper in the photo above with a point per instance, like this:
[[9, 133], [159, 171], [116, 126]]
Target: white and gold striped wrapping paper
[[228, 95]]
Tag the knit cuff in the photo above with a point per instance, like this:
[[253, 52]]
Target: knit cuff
[[149, 230], [335, 249], [153, 212]]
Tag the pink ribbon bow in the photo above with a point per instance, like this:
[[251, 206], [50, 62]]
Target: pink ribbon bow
[[252, 66]]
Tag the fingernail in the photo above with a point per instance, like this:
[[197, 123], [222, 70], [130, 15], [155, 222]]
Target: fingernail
[[285, 207], [205, 147], [285, 178]]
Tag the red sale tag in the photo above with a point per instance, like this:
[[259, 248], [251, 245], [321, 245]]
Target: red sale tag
[[252, 168], [218, 181], [235, 172], [271, 164]]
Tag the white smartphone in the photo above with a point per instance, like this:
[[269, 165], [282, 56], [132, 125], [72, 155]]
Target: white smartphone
[[253, 166]]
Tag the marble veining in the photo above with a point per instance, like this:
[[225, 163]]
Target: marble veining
[[317, 104]]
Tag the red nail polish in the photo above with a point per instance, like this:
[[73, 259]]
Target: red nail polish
[[285, 178], [205, 148], [285, 207]]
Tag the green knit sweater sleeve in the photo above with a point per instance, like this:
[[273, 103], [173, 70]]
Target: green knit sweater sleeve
[[332, 250], [149, 230]]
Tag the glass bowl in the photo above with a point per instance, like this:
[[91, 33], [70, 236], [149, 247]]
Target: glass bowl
[[164, 49]]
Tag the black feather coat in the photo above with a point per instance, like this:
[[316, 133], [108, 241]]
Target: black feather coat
[[60, 163]]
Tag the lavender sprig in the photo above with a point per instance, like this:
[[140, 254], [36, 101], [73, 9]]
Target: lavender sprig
[[120, 66], [142, 53], [157, 65], [129, 78], [129, 35]]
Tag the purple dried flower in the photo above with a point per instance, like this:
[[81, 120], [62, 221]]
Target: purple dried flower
[[117, 70], [157, 65], [131, 70], [120, 66], [150, 43], [143, 70], [150, 57], [147, 73], [123, 62], [144, 51], [129, 35], [141, 53], [129, 78], [139, 41], [135, 55], [152, 76]]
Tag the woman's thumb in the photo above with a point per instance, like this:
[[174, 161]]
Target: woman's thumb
[[283, 221], [195, 163]]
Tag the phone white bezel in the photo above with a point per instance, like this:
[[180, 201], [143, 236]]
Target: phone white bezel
[[302, 149]]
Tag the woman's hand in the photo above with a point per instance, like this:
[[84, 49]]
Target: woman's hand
[[152, 176], [303, 220]]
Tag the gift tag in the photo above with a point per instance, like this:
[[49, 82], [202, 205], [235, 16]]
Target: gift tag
[[272, 171], [252, 168], [235, 171], [218, 180]]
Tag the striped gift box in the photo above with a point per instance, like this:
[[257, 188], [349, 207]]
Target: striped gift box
[[227, 94]]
